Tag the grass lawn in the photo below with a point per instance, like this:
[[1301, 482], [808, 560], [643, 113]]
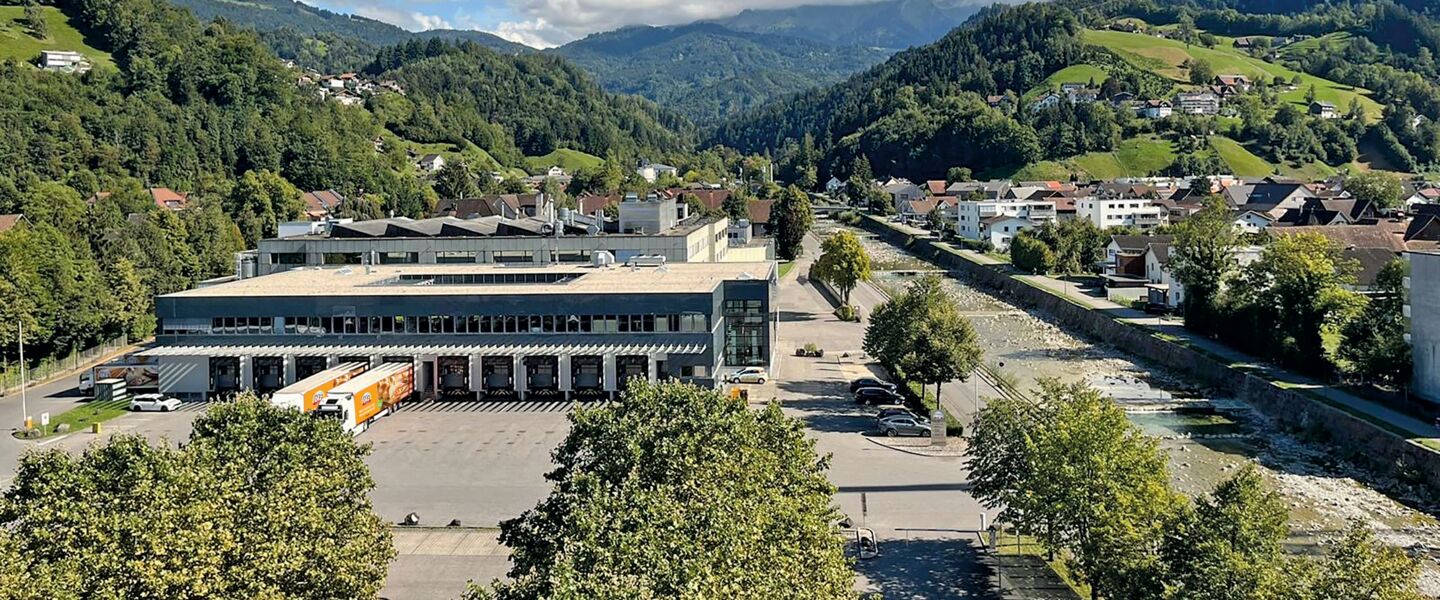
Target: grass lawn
[[565, 158], [785, 268], [1071, 74], [1045, 170], [82, 416], [1240, 160], [16, 41], [1164, 57], [476, 157], [1136, 156]]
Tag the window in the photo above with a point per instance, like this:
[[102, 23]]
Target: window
[[446, 257], [342, 258], [399, 258], [572, 256], [747, 333], [512, 256], [287, 258]]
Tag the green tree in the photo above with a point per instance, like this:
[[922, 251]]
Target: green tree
[[1357, 565], [236, 513], [1374, 347], [736, 206], [259, 201], [1290, 294], [679, 492], [1228, 547], [35, 20], [455, 181], [935, 220], [1381, 188], [1310, 94], [790, 219], [1029, 253], [956, 174], [921, 335], [843, 263], [1201, 72], [1202, 257]]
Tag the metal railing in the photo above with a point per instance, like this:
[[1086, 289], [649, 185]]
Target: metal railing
[[53, 366]]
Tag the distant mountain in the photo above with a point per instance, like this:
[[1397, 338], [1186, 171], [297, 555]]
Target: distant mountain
[[894, 24], [707, 72], [325, 40]]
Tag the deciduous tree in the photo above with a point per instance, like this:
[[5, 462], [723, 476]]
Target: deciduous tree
[[1201, 259], [1379, 187], [843, 263], [1374, 347], [675, 492]]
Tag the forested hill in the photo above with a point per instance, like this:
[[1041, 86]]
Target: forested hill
[[894, 24], [536, 103], [707, 72], [922, 111], [325, 40]]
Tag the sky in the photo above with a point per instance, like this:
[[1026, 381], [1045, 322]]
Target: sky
[[547, 23]]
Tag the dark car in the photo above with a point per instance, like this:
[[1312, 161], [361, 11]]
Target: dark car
[[896, 411], [877, 396], [870, 382]]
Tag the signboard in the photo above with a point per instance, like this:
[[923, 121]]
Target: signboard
[[937, 427], [45, 419]]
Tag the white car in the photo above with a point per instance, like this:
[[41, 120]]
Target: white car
[[153, 402], [749, 375]]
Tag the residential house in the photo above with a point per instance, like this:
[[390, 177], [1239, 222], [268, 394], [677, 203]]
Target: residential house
[[1239, 83], [1243, 43], [901, 190], [347, 100], [509, 206], [1156, 109], [1197, 103], [916, 210], [994, 189], [1329, 211], [834, 187], [556, 172], [1125, 254], [319, 205], [976, 219], [1422, 233], [169, 199], [1371, 246], [652, 172], [1422, 195], [64, 61], [1001, 102], [1131, 211], [1324, 110], [1121, 98], [1271, 197], [936, 187], [760, 213], [1048, 101], [1253, 222], [11, 222], [1162, 288], [431, 163]]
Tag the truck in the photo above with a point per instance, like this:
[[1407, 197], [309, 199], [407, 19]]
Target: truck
[[362, 399], [306, 394], [141, 374]]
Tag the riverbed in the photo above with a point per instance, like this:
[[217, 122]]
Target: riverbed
[[1206, 437]]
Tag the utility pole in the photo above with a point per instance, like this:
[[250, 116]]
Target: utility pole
[[24, 407]]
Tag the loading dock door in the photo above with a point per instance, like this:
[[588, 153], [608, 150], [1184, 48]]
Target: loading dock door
[[306, 366]]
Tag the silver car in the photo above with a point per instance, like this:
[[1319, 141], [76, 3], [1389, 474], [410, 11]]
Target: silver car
[[902, 425]]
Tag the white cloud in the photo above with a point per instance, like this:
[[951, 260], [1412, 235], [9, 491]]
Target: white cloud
[[536, 33], [381, 11]]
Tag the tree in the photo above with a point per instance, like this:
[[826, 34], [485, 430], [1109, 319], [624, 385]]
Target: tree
[[921, 335], [1202, 257], [1029, 253], [736, 206], [958, 174], [790, 218], [1374, 348], [679, 492], [1229, 546], [1381, 188], [455, 182], [236, 513], [1359, 566], [843, 263], [259, 202], [1201, 73], [1290, 295], [35, 20], [935, 220], [1310, 94]]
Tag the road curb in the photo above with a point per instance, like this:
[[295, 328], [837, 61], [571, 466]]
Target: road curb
[[904, 450]]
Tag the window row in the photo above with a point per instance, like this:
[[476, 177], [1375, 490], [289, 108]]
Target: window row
[[463, 324]]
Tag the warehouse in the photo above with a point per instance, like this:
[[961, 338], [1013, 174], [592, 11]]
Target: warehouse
[[472, 331]]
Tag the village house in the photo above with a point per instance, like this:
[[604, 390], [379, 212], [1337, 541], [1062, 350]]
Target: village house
[[431, 163], [1324, 110], [320, 205], [1197, 103], [64, 61], [1156, 109], [993, 220], [652, 172]]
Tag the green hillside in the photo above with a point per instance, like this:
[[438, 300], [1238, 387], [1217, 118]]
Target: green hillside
[[1133, 157], [1071, 74], [16, 41], [565, 158], [1165, 57], [1241, 161]]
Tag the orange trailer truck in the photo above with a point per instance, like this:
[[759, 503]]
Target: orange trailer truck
[[371, 394], [306, 394]]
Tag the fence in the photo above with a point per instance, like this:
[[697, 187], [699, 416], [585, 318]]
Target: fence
[[51, 366]]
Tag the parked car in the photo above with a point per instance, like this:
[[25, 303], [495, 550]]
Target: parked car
[[877, 396], [749, 375], [897, 426], [870, 382], [898, 411], [153, 403]]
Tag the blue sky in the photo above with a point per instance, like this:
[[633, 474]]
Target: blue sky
[[544, 23]]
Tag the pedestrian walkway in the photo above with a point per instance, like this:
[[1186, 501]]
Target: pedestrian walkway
[[491, 406], [456, 541]]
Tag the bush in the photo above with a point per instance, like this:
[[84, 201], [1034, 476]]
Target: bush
[[1031, 254], [847, 312]]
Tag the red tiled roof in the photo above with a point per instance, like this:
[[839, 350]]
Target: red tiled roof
[[319, 204], [168, 199], [711, 199], [8, 222], [590, 205], [936, 187], [760, 210]]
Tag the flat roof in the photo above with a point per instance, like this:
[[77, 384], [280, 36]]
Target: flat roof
[[412, 280]]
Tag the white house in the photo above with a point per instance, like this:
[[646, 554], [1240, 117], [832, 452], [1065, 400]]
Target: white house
[[1000, 230], [971, 218], [1425, 195], [1163, 288], [555, 172], [902, 191], [1156, 109], [63, 60], [1050, 100], [652, 172], [1114, 212], [1253, 222], [1202, 103], [431, 163]]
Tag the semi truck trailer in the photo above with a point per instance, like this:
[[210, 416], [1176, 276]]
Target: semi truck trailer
[[367, 396], [140, 373], [306, 394]]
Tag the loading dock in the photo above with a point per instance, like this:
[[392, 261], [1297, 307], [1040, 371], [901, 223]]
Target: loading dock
[[268, 374], [542, 376], [454, 374], [224, 375], [305, 366], [499, 376], [587, 376]]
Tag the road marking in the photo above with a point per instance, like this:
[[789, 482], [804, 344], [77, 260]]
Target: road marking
[[48, 442]]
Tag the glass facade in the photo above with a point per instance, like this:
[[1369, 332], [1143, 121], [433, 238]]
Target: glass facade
[[747, 333], [453, 324]]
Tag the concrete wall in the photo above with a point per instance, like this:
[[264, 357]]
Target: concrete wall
[[1363, 441], [1424, 302], [184, 376]]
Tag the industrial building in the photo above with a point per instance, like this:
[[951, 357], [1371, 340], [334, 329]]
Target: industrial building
[[493, 239], [473, 330]]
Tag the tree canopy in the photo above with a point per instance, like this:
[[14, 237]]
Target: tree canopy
[[843, 263]]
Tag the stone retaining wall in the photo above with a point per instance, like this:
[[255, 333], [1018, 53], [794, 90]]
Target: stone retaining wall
[[1364, 441]]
